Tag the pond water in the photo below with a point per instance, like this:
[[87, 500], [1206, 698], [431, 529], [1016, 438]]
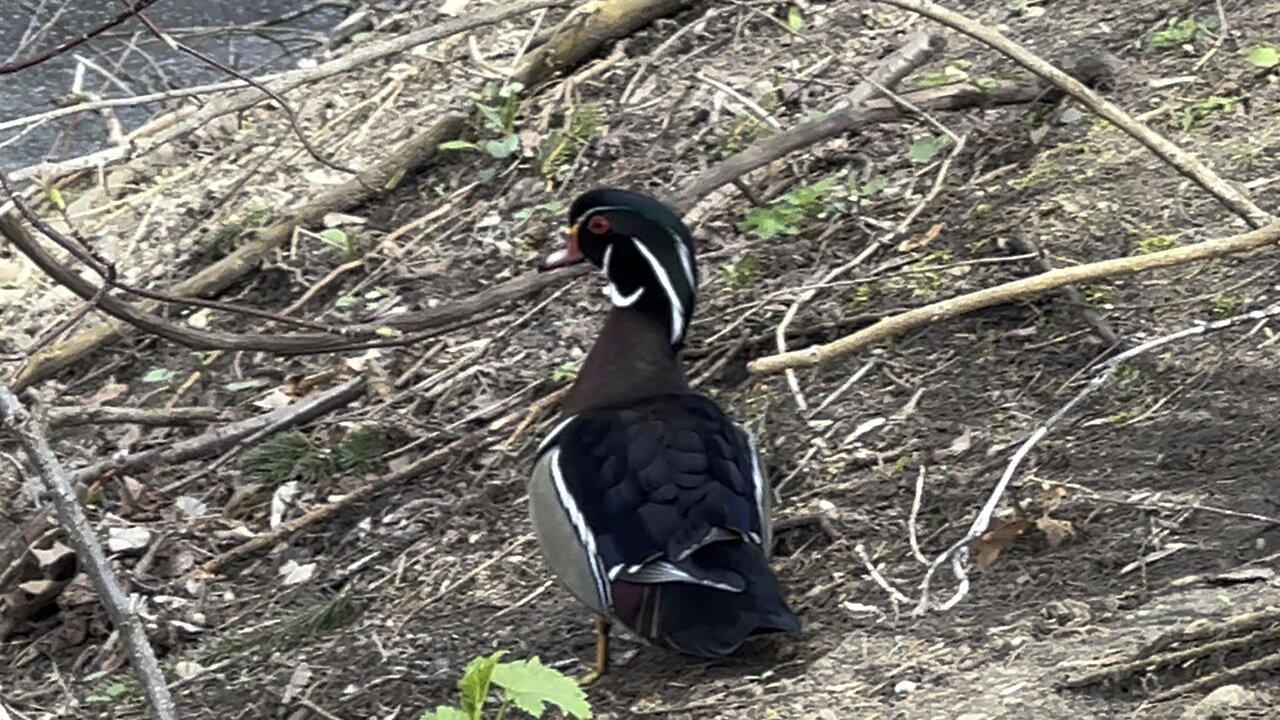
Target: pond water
[[244, 34]]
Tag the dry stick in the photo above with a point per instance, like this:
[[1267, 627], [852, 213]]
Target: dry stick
[[1222, 677], [89, 551], [66, 45], [587, 29], [1014, 291], [223, 437], [160, 417], [958, 552], [1112, 673], [1184, 162]]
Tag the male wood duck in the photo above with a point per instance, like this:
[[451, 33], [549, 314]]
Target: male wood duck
[[648, 502]]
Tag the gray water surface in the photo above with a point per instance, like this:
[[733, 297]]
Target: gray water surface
[[233, 32]]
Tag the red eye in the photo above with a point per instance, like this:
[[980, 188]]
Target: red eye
[[598, 224]]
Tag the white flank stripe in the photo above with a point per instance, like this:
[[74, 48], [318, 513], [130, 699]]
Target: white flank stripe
[[555, 433], [585, 536], [685, 258], [677, 308], [757, 481]]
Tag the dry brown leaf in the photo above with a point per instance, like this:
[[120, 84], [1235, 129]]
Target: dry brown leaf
[[1000, 533], [1055, 531], [916, 243], [1051, 498]]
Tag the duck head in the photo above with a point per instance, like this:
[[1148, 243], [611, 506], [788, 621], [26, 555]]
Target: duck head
[[644, 250]]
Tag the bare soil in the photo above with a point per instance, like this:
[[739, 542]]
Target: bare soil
[[1154, 473]]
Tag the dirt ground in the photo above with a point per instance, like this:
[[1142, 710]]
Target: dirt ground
[[1166, 477]]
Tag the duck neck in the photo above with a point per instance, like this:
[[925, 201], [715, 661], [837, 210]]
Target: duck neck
[[632, 359]]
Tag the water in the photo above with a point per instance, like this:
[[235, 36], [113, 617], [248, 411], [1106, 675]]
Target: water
[[232, 31]]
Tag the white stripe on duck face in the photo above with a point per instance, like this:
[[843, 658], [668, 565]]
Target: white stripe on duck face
[[611, 291], [603, 590], [554, 434], [677, 307], [686, 259]]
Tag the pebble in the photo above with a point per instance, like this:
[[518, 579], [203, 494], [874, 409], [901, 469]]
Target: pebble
[[1218, 703]]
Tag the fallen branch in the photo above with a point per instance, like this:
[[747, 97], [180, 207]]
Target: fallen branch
[[1014, 291], [219, 439], [584, 32], [88, 551], [1182, 161], [105, 415], [25, 62]]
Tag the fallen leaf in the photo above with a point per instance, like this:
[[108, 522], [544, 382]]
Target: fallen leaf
[[453, 8], [190, 506], [1055, 531], [187, 669], [916, 243], [999, 535], [295, 574], [127, 539], [281, 500]]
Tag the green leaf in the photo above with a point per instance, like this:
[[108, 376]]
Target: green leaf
[[505, 147], [361, 37], [345, 301], [157, 375], [446, 713], [492, 117], [530, 685], [55, 196], [335, 237], [1264, 56], [871, 187], [795, 19], [457, 145], [245, 384], [388, 332], [927, 148], [474, 685]]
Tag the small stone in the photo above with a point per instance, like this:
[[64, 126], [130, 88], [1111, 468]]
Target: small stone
[[905, 687], [1218, 703]]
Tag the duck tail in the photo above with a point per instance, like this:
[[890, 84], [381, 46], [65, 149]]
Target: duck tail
[[711, 622]]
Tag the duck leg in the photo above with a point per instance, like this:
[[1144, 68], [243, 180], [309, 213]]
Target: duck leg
[[602, 652]]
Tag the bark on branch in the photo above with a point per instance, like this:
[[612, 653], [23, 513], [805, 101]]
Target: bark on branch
[[89, 551], [1014, 291]]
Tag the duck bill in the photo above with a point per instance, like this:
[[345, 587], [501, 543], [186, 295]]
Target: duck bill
[[570, 254]]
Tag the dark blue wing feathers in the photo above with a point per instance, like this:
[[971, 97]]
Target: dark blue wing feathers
[[656, 478]]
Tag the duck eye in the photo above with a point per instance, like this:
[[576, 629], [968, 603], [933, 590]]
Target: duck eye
[[598, 224]]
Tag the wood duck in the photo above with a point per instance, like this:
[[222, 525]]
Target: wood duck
[[648, 502]]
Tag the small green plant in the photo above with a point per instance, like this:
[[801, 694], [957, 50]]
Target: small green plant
[[497, 106], [925, 149], [565, 372], [1126, 374], [347, 246], [527, 684], [785, 215], [1156, 243], [954, 72], [555, 207], [295, 456], [560, 147], [739, 274], [1266, 57], [1225, 306], [287, 456], [122, 688], [1196, 113], [1175, 33], [221, 241]]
